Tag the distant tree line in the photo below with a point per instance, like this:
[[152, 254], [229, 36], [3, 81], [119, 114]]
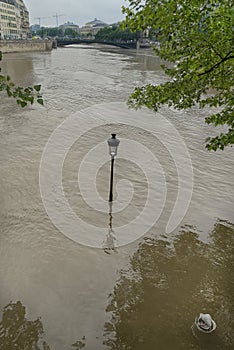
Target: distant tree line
[[115, 33], [56, 32]]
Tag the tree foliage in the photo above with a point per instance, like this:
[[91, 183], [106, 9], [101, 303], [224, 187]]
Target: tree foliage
[[22, 95], [71, 33], [197, 39], [50, 32], [115, 33]]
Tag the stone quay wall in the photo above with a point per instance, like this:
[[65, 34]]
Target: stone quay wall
[[8, 46]]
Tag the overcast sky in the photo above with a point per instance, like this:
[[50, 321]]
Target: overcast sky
[[77, 11]]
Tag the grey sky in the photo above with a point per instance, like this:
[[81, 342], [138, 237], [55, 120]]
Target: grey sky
[[77, 11]]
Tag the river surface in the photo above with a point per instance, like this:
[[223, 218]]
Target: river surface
[[143, 287]]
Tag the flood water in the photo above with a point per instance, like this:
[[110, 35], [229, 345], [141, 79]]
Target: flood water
[[57, 291]]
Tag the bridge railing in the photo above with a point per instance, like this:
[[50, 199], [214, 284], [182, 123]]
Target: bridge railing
[[126, 45]]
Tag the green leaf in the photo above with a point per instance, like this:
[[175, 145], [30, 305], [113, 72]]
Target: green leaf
[[37, 87], [40, 101], [22, 103]]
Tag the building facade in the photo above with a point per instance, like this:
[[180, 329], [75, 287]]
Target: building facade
[[69, 25], [14, 20], [90, 29], [24, 19]]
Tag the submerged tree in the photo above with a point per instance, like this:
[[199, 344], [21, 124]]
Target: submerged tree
[[197, 39], [22, 95]]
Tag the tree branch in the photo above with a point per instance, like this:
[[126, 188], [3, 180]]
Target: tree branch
[[217, 64], [214, 49]]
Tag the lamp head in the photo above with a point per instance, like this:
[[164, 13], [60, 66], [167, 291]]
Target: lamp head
[[113, 144]]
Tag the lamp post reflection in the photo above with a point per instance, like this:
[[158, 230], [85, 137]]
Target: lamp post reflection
[[109, 245]]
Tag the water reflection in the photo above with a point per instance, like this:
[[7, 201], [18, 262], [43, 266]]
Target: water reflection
[[109, 245], [16, 332], [156, 300], [79, 344], [20, 68], [57, 279]]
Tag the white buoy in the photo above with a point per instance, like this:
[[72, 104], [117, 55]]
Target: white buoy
[[203, 323]]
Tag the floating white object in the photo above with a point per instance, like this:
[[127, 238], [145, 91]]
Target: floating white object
[[204, 323]]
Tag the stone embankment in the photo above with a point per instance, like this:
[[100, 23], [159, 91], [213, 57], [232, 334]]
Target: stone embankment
[[8, 46]]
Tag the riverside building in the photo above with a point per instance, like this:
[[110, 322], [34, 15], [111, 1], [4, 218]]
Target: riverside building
[[14, 20], [90, 29]]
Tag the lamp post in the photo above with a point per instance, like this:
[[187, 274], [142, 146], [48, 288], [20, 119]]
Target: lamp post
[[113, 144]]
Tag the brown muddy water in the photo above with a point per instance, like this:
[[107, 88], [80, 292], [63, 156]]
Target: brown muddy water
[[57, 293]]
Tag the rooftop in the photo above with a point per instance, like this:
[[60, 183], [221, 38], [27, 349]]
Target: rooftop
[[96, 22]]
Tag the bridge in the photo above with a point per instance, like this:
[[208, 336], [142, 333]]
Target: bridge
[[123, 45]]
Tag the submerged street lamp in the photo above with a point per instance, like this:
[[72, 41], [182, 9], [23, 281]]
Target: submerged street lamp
[[113, 144]]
